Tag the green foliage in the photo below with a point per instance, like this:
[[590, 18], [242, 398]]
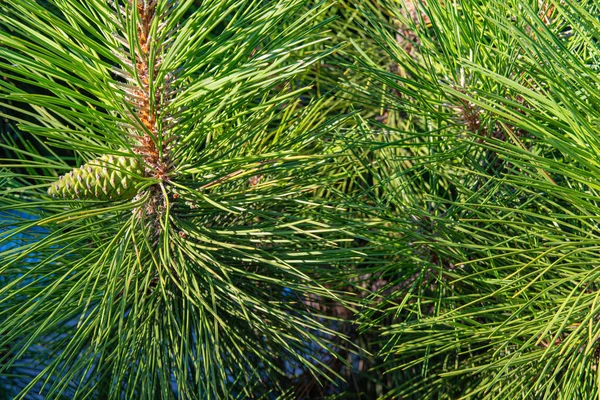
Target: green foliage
[[490, 198], [290, 199], [199, 285]]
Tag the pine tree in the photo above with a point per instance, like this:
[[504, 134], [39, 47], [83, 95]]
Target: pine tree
[[490, 191], [170, 203], [295, 199]]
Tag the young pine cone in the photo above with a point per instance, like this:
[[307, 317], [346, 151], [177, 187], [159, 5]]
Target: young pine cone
[[106, 178]]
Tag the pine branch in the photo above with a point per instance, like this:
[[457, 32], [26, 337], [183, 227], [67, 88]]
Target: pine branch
[[190, 282]]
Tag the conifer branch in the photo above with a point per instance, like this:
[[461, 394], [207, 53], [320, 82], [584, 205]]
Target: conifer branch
[[147, 95]]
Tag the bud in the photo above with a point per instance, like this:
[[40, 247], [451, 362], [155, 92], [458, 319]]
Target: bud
[[106, 178]]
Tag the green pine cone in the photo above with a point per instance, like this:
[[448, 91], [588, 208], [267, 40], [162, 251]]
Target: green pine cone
[[106, 178]]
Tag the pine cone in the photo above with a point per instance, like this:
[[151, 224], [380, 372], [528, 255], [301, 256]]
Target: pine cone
[[106, 178]]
